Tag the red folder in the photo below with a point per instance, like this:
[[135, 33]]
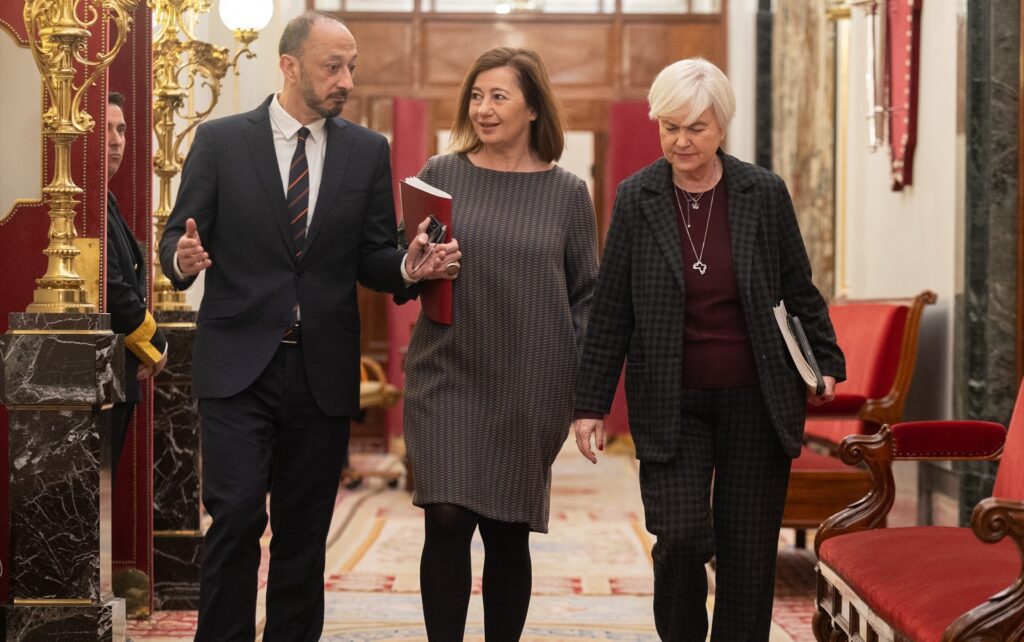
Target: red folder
[[420, 200]]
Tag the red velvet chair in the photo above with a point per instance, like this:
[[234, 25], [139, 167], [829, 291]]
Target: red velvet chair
[[879, 340], [926, 583]]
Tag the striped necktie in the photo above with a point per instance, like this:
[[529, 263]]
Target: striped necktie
[[298, 192]]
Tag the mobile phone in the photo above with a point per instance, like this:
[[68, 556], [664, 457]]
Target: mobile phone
[[435, 234], [435, 230]]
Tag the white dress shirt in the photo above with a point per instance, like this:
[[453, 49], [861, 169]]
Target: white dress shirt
[[286, 138], [285, 130]]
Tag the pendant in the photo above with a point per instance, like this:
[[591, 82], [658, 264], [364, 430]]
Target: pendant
[[700, 266], [694, 204]]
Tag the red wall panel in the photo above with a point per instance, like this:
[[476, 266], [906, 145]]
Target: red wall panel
[[632, 145], [408, 155], [131, 75]]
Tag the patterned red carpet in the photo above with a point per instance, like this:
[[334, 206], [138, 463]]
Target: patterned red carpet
[[598, 592]]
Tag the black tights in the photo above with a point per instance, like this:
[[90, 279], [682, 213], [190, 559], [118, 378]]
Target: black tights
[[446, 576]]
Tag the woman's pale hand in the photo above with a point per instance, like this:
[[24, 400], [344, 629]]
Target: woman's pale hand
[[828, 395], [584, 430], [436, 266]]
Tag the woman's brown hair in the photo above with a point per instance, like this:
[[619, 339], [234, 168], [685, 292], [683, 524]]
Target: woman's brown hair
[[547, 132]]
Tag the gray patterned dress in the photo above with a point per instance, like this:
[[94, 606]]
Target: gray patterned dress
[[489, 399]]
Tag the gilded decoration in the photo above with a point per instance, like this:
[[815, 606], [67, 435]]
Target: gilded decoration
[[180, 64], [58, 32]]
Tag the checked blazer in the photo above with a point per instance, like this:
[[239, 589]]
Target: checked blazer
[[640, 298]]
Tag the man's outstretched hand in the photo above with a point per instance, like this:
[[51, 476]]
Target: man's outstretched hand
[[192, 258]]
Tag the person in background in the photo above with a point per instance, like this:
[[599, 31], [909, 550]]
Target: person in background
[[286, 208], [489, 398], [700, 248], [127, 287]]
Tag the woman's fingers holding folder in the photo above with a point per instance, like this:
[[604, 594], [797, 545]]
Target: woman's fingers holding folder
[[828, 395], [445, 261], [439, 260]]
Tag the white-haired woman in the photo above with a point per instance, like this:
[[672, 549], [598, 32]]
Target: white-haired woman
[[701, 247]]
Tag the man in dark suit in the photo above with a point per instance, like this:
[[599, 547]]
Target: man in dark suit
[[286, 208], [146, 352]]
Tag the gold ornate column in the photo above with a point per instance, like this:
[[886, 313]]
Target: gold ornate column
[[178, 60], [182, 64], [62, 366], [58, 41]]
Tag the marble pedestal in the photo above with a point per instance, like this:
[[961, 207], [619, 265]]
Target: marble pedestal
[[72, 623], [59, 374], [177, 534]]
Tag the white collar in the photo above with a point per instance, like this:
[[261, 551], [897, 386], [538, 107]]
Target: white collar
[[287, 124]]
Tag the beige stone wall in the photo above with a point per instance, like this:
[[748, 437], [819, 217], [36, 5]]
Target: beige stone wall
[[21, 103], [803, 127]]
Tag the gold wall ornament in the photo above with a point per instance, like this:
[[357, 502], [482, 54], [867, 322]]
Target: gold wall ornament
[[838, 10], [180, 61], [58, 38]]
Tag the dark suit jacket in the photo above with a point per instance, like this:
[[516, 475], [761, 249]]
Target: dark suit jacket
[[231, 186], [126, 300], [638, 305]]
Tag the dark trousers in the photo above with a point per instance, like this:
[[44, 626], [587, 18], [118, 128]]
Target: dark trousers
[[271, 436], [727, 438], [120, 419]]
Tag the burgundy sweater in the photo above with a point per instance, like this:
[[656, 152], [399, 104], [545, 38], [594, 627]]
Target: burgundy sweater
[[716, 344]]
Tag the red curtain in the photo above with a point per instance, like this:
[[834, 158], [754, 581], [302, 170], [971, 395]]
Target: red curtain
[[408, 155], [632, 145], [131, 74]]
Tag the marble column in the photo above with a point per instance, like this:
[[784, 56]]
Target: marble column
[[59, 373], [177, 533], [986, 318]]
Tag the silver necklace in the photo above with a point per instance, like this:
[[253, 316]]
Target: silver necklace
[[694, 200], [699, 264]]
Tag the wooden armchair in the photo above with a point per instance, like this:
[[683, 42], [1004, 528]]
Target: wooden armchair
[[879, 340], [374, 389], [375, 392], [926, 583]]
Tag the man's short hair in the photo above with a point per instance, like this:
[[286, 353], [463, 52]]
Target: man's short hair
[[297, 31], [116, 98]]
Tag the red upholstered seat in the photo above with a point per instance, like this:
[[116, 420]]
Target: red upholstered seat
[[810, 460], [820, 485], [1010, 476], [920, 579], [871, 336], [879, 339], [833, 431], [845, 403], [926, 583]]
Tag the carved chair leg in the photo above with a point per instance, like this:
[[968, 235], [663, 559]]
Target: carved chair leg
[[823, 629]]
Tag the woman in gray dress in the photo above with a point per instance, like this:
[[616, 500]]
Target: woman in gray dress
[[489, 398]]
